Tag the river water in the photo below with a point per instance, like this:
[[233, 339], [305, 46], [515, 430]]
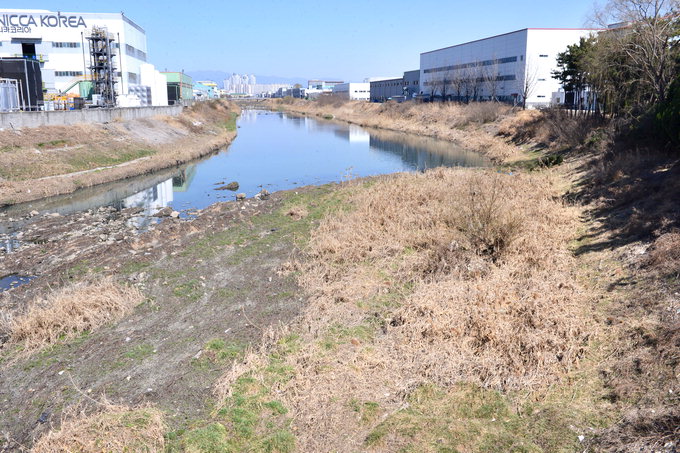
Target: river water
[[274, 151]]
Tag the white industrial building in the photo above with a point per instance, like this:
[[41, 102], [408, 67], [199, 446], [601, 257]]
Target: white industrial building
[[504, 67], [59, 41], [353, 91]]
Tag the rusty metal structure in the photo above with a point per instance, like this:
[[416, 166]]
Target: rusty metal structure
[[102, 68]]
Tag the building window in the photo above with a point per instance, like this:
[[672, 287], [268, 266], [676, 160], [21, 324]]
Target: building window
[[68, 73], [132, 77], [71, 45], [473, 64]]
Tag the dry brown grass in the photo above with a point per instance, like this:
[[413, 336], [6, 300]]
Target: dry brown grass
[[664, 255], [297, 212], [444, 277], [113, 429], [464, 124], [68, 312]]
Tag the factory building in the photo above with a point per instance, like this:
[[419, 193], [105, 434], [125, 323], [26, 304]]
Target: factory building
[[508, 67], [59, 42], [382, 90], [180, 87], [353, 91], [411, 83], [395, 88], [323, 85]]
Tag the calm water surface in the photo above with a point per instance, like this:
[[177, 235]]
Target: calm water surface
[[275, 151]]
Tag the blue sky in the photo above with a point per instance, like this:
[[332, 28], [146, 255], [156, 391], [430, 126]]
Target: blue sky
[[346, 39]]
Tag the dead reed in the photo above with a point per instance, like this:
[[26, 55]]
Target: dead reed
[[114, 429], [70, 311]]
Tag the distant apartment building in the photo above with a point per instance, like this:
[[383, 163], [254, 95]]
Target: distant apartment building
[[240, 84], [353, 91], [505, 67]]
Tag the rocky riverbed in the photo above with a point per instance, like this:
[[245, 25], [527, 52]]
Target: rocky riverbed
[[218, 275]]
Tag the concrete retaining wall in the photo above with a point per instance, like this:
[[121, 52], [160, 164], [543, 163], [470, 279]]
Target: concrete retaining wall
[[18, 120]]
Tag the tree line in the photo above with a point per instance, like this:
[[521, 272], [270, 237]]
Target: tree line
[[630, 68]]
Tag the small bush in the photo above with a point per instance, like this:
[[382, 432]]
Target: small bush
[[664, 255], [68, 312], [114, 429]]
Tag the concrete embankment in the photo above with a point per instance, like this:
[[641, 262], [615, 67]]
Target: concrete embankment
[[38, 162], [18, 120]]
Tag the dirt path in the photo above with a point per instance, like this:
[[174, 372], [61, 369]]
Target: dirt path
[[213, 285]]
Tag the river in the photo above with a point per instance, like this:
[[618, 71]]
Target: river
[[274, 151]]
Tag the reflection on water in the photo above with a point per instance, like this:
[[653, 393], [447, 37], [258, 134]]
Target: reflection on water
[[273, 150], [12, 281], [9, 244]]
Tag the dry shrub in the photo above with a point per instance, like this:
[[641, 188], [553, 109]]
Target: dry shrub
[[664, 255], [485, 112], [330, 100], [503, 330], [70, 311], [448, 276], [113, 429], [486, 252], [297, 212]]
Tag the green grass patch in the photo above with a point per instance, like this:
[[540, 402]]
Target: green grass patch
[[52, 144], [230, 124], [251, 419], [189, 290], [8, 148], [133, 267], [337, 334], [368, 410], [139, 352], [247, 240], [469, 418], [218, 352], [106, 158]]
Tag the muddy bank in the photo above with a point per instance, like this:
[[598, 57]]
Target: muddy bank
[[474, 126], [46, 161], [213, 284]]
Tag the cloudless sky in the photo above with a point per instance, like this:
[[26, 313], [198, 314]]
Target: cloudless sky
[[345, 39]]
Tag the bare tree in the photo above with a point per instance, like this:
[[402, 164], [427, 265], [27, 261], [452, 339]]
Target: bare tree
[[491, 81], [477, 82], [528, 81], [457, 85], [435, 86], [446, 86], [646, 33]]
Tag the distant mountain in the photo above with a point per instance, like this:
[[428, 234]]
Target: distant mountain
[[219, 76]]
